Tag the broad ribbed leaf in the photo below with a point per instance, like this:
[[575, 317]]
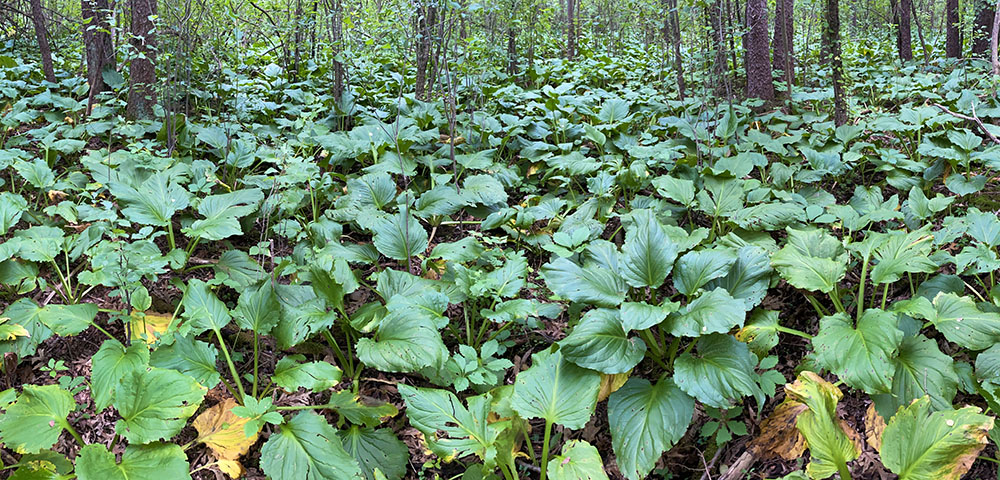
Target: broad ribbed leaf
[[112, 362], [589, 284], [140, 462], [721, 373], [292, 373], [871, 347], [307, 448], [695, 269], [648, 253], [640, 315], [399, 237], [403, 344], [154, 404], [376, 449], [761, 332], [466, 430], [67, 320], [579, 461], [35, 421], [919, 445], [921, 369], [203, 309], [811, 260], [961, 321], [193, 358], [556, 390], [749, 276], [712, 312], [600, 343], [903, 253], [154, 202], [222, 213], [258, 309], [645, 421]]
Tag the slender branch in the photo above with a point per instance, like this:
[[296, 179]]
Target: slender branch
[[973, 119]]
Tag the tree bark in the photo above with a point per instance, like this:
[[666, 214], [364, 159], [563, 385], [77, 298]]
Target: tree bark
[[953, 45], [981, 29], [993, 39], [904, 33], [97, 44], [831, 38], [570, 28], [784, 16], [716, 18], [760, 83], [337, 32], [425, 19], [673, 21], [142, 70], [43, 40]]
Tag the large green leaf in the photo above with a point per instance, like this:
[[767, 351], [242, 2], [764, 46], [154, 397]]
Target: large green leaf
[[403, 343], [712, 312], [589, 284], [466, 431], [600, 343], [376, 449], [811, 260], [761, 332], [648, 253], [399, 237], [291, 373], [112, 362], [222, 214], [721, 373], [872, 346], [903, 253], [579, 461], [695, 269], [67, 320], [749, 276], [154, 404], [830, 446], [556, 390], [258, 309], [203, 309], [307, 448], [193, 358], [919, 445], [961, 321], [12, 206], [139, 462], [154, 202], [646, 420], [921, 369], [35, 421]]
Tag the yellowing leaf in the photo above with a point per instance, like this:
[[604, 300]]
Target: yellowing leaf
[[10, 331], [874, 426], [149, 325], [778, 435], [610, 384], [832, 442], [222, 431]]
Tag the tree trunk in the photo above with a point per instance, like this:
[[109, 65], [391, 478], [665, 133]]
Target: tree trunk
[[981, 29], [831, 38], [783, 34], [570, 27], [425, 18], [920, 34], [720, 64], [905, 35], [43, 40], [337, 32], [142, 70], [675, 40], [511, 51], [760, 84], [97, 44], [993, 39], [953, 46]]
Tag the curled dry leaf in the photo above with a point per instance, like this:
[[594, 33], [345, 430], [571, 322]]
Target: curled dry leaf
[[778, 435], [610, 384], [874, 426], [222, 432]]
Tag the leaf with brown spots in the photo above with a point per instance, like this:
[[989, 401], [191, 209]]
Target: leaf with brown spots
[[832, 442], [920, 445], [778, 435], [223, 433], [874, 426]]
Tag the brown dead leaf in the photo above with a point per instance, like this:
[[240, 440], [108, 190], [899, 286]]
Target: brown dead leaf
[[222, 432], [874, 426], [778, 435], [610, 384]]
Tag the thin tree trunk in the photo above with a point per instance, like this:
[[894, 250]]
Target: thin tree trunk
[[43, 40], [142, 71], [920, 34], [675, 34], [760, 83], [570, 27], [831, 37], [425, 17], [905, 35], [783, 35], [511, 51], [716, 19], [953, 47], [97, 44], [993, 39], [337, 32]]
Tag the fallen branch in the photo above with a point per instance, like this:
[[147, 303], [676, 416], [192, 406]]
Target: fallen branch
[[744, 462], [973, 118]]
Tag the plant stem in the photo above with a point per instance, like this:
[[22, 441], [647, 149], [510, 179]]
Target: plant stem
[[72, 431], [845, 473], [337, 351], [885, 295], [170, 234], [545, 449], [232, 367], [861, 287], [835, 298], [792, 331], [647, 336], [256, 350]]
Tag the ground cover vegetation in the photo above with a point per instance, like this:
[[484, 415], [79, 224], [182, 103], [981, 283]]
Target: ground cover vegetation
[[584, 239]]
